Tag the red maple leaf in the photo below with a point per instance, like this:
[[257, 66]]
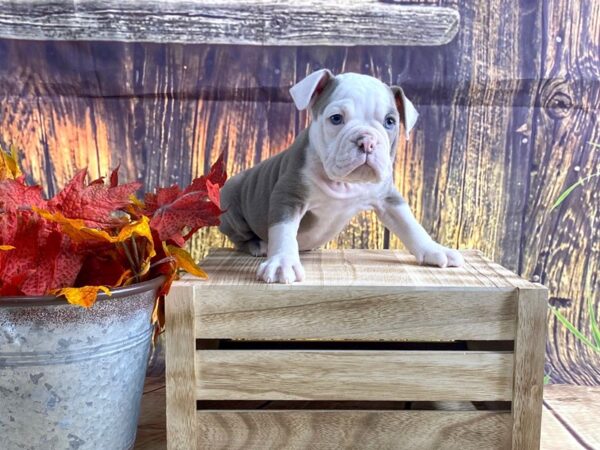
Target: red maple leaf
[[94, 203], [102, 268], [42, 258], [175, 212], [15, 194]]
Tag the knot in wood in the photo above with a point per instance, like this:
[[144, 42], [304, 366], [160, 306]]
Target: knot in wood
[[279, 22], [557, 98]]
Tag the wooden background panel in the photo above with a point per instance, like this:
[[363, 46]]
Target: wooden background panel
[[507, 109], [561, 248]]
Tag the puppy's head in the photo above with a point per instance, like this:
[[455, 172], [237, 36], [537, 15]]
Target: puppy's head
[[355, 123]]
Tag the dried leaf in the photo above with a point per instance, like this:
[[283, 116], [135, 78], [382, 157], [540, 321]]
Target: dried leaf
[[175, 212], [184, 261], [94, 203], [82, 296], [15, 195]]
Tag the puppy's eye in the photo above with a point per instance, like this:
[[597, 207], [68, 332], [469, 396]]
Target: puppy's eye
[[336, 119], [389, 122]]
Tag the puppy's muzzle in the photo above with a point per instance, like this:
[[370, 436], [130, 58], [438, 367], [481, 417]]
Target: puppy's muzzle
[[366, 143]]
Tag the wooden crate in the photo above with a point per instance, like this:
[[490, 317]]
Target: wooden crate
[[332, 362]]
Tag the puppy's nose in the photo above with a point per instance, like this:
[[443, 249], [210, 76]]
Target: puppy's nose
[[366, 143]]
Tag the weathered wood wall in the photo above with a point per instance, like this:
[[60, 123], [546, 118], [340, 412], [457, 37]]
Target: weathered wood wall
[[507, 109]]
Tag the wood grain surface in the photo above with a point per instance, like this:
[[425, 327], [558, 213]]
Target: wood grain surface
[[249, 22], [577, 410], [357, 313], [362, 267], [180, 373], [559, 432], [359, 295], [353, 375], [320, 430], [507, 109], [529, 369]]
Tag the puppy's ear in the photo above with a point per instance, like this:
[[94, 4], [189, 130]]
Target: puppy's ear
[[408, 112], [308, 89]]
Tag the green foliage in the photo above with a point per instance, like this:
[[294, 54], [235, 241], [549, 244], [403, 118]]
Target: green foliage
[[594, 342]]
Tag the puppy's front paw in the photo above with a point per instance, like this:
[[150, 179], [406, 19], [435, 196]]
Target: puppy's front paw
[[438, 255], [281, 268]]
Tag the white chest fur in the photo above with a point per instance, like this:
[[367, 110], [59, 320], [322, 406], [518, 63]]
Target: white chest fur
[[331, 206]]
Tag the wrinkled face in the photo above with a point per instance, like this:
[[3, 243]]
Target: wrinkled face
[[355, 128]]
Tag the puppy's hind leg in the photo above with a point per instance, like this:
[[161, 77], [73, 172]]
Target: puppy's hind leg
[[256, 247], [243, 238]]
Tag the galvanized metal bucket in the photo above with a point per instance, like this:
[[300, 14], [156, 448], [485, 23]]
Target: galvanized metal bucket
[[72, 378]]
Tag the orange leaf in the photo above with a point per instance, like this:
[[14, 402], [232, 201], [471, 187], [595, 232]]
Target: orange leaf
[[138, 228], [6, 247], [76, 229], [122, 281], [184, 261], [83, 296]]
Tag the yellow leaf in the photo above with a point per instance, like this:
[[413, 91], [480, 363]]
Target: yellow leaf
[[7, 247], [124, 278], [76, 229], [83, 296], [136, 201], [140, 228], [184, 261], [9, 169]]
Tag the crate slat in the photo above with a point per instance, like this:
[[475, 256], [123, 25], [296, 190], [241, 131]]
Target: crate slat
[[180, 370], [353, 375], [411, 430], [359, 313], [529, 368], [361, 267]]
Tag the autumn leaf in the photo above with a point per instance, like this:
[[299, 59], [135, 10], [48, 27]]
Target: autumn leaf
[[82, 296], [77, 230], [95, 203], [177, 215], [42, 257], [189, 211], [95, 235], [184, 261], [214, 193], [14, 195]]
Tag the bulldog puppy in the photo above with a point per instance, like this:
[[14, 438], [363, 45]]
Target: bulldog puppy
[[340, 165]]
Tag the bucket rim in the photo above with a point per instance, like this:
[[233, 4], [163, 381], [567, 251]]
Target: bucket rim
[[47, 300]]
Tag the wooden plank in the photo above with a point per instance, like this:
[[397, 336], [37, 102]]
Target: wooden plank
[[554, 434], [570, 400], [353, 375], [576, 407], [359, 313], [355, 268], [410, 430], [529, 369], [151, 432], [249, 22], [180, 352]]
